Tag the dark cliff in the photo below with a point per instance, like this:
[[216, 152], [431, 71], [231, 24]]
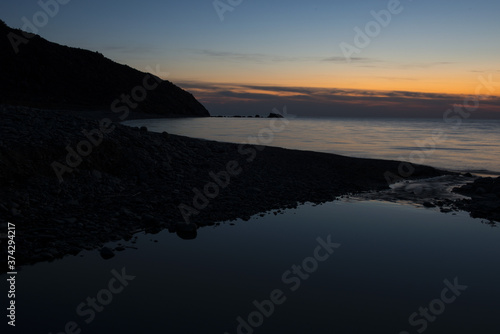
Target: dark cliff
[[38, 73]]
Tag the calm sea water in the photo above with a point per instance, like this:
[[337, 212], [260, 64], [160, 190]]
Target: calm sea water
[[473, 145], [391, 261]]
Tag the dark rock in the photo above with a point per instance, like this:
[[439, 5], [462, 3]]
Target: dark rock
[[186, 227], [125, 212], [167, 166], [73, 250], [97, 174], [150, 221], [46, 256], [484, 199], [106, 253], [187, 235]]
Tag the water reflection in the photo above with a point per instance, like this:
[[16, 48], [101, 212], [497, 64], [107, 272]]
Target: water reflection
[[393, 259]]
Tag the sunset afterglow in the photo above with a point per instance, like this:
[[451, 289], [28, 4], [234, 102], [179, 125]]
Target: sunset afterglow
[[446, 48]]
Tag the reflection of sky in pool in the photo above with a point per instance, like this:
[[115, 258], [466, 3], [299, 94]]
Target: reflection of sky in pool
[[392, 260]]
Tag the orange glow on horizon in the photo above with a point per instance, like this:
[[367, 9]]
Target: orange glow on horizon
[[462, 88], [450, 79]]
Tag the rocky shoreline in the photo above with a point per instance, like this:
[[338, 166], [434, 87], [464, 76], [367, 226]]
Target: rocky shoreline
[[484, 201], [70, 183]]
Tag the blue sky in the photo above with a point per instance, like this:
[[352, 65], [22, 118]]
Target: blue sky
[[430, 47]]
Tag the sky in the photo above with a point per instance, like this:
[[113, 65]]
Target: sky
[[407, 58]]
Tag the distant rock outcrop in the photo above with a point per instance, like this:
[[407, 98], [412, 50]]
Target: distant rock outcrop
[[42, 74], [274, 115]]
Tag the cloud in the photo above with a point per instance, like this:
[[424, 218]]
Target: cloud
[[260, 57], [250, 57], [397, 78], [227, 98], [485, 71], [229, 56], [129, 50], [381, 63], [426, 64], [352, 59]]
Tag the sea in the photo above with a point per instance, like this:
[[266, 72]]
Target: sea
[[464, 145]]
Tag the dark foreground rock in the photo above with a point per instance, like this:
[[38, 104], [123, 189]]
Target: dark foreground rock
[[484, 201], [118, 180]]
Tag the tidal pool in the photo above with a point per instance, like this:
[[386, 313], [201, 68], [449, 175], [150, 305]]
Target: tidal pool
[[340, 267]]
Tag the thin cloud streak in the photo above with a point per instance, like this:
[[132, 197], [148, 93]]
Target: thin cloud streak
[[251, 57], [352, 59], [332, 101]]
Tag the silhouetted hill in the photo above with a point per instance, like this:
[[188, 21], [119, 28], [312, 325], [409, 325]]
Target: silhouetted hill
[[48, 75]]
